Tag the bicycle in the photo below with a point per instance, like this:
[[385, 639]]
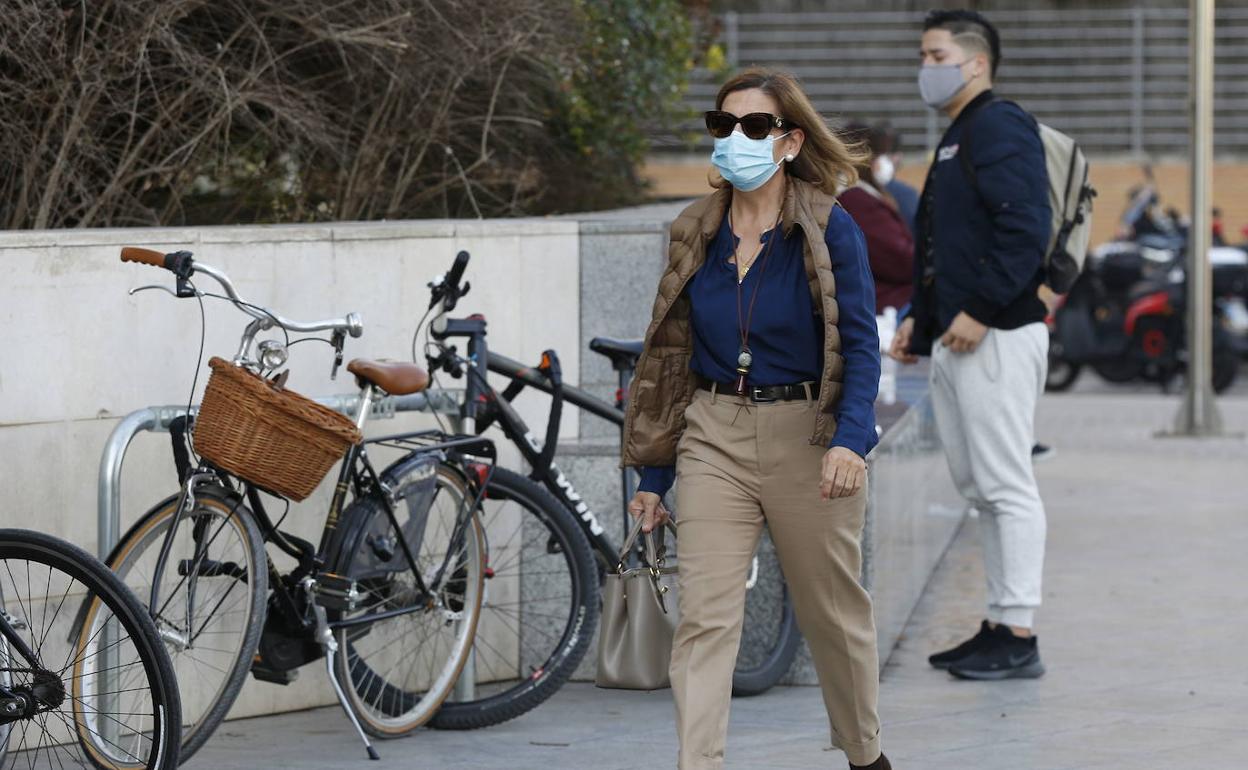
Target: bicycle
[[389, 598], [551, 624], [94, 686]]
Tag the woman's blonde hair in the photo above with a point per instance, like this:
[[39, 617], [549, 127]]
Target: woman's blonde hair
[[826, 161]]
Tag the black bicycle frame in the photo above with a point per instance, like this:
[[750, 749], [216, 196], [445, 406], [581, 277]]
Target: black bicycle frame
[[532, 377], [16, 643], [486, 405]]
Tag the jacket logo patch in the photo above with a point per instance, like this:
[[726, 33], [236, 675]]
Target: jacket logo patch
[[945, 153]]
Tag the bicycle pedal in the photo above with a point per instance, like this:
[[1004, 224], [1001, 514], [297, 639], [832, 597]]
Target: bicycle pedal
[[338, 592], [272, 676]]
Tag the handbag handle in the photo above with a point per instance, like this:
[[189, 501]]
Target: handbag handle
[[654, 555]]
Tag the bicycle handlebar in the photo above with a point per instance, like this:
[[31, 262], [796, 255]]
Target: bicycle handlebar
[[144, 256], [457, 269], [445, 288], [181, 264]]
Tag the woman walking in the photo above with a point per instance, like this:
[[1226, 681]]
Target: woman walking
[[755, 392]]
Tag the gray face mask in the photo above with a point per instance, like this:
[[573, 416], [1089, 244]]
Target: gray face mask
[[939, 83]]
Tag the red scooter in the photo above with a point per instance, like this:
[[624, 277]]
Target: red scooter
[[1137, 332]]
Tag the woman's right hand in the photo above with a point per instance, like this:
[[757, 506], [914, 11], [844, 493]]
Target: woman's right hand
[[650, 506], [899, 350]]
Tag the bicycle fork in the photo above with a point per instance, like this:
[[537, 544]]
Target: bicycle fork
[[325, 637]]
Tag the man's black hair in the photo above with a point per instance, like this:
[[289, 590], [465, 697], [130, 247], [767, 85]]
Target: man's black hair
[[963, 22]]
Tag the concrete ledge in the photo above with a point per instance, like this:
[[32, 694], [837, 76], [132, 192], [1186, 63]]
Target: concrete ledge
[[336, 231]]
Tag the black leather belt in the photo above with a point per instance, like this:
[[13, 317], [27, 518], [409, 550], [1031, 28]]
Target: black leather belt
[[767, 394]]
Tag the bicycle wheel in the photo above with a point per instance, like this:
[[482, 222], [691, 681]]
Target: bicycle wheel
[[398, 669], [212, 598], [540, 609], [100, 694], [6, 680], [769, 638]]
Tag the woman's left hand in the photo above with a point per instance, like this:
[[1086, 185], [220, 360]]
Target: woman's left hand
[[844, 472]]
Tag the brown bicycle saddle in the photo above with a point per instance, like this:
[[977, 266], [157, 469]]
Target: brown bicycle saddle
[[394, 377]]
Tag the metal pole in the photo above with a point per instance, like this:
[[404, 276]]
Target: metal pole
[[731, 42], [1199, 414], [108, 491]]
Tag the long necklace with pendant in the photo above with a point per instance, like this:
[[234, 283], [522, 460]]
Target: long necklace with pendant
[[745, 359]]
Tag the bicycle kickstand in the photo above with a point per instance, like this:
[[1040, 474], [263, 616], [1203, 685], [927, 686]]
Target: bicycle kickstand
[[326, 638]]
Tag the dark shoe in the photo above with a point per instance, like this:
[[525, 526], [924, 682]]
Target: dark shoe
[[1006, 656], [947, 658], [879, 764], [1042, 452]]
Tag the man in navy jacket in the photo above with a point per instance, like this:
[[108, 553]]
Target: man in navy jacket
[[983, 225]]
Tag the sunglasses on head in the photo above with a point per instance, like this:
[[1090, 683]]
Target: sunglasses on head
[[756, 125]]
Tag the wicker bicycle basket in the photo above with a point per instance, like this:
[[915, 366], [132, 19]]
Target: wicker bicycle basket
[[274, 438]]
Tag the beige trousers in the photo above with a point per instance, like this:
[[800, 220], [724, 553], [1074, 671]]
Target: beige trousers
[[739, 465]]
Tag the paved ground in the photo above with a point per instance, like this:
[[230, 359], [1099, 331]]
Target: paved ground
[[1143, 630]]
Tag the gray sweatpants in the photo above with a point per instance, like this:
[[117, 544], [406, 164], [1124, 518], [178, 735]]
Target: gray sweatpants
[[985, 407]]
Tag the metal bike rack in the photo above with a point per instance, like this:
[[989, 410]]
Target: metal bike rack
[[156, 419]]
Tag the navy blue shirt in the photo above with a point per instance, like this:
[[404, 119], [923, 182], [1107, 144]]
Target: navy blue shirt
[[786, 336]]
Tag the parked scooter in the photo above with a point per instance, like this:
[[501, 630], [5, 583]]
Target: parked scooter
[[1125, 316]]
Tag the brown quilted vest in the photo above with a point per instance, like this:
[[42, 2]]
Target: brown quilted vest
[[664, 383]]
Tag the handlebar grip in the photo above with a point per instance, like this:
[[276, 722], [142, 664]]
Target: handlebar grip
[[144, 256], [457, 269]]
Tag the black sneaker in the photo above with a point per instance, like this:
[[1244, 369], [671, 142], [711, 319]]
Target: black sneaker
[[1005, 656], [1042, 452], [947, 658]]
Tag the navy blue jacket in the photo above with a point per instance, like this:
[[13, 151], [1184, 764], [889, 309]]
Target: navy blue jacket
[[987, 244]]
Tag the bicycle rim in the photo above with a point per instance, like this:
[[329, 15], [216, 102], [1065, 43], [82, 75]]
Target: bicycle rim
[[211, 640], [105, 692], [397, 671], [540, 609]]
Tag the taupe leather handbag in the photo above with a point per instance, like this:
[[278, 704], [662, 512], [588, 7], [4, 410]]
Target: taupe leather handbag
[[639, 616]]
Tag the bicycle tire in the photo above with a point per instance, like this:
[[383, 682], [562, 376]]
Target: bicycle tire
[[387, 708], [148, 533], [767, 673], [769, 635], [553, 524], [103, 589], [6, 680]]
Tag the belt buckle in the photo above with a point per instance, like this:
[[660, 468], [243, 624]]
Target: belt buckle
[[757, 397]]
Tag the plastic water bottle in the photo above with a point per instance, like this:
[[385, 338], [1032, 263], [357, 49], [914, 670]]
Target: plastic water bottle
[[886, 324]]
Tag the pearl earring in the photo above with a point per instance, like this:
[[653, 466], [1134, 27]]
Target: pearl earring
[[789, 158]]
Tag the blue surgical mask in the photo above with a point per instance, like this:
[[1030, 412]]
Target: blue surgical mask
[[746, 163]]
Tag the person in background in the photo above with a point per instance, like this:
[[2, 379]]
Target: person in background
[[886, 166], [977, 312], [890, 246]]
